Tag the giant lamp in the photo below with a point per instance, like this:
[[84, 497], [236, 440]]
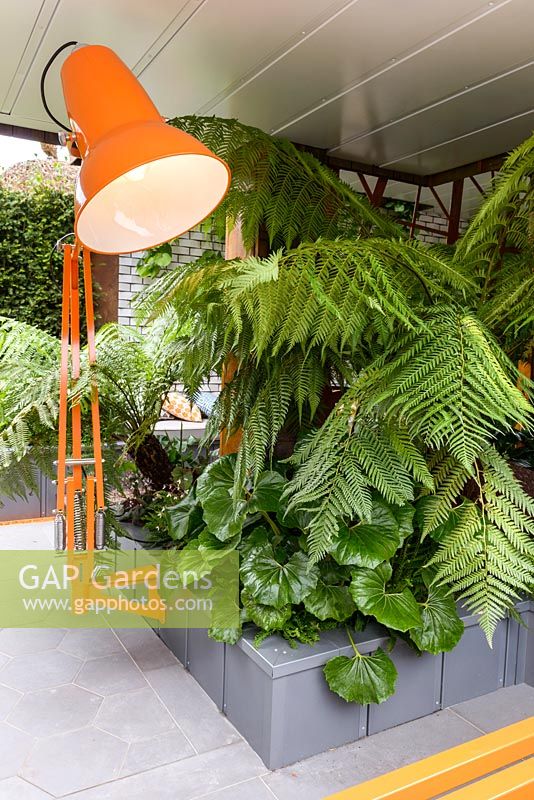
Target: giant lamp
[[141, 183]]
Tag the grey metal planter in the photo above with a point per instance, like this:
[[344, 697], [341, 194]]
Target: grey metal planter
[[520, 646], [279, 701], [38, 503]]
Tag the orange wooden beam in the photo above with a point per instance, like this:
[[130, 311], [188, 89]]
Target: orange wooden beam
[[513, 783]]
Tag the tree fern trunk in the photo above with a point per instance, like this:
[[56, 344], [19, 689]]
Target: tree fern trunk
[[153, 462]]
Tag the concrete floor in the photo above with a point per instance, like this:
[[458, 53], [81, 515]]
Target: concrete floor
[[109, 715]]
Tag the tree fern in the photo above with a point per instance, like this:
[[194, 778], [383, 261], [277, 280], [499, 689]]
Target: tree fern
[[487, 554], [450, 383], [276, 185]]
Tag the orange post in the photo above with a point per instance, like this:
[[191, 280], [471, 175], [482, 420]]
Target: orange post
[[70, 513], [91, 348], [76, 412], [63, 379]]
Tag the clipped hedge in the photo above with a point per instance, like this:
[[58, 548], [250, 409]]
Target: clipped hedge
[[30, 268]]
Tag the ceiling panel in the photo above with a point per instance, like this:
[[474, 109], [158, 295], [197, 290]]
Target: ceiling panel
[[350, 49], [128, 26], [417, 85], [223, 43], [497, 42], [27, 21], [471, 147], [491, 103]]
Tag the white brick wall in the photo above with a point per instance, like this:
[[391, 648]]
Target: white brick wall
[[189, 248], [436, 222]]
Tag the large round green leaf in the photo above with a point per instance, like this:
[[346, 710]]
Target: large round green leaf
[[266, 617], [404, 516], [256, 539], [362, 679], [442, 628], [223, 516], [382, 515], [330, 602], [267, 492], [365, 545], [397, 610], [226, 635], [184, 517], [273, 583]]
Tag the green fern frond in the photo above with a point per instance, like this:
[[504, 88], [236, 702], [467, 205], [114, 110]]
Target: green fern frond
[[286, 189], [487, 554]]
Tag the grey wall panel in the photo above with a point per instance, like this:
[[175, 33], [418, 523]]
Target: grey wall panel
[[248, 700], [307, 718], [205, 660], [418, 690], [472, 668], [525, 648]]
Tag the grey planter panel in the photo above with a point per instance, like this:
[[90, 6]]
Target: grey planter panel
[[47, 496], [473, 668], [248, 700], [205, 661], [276, 658], [418, 691], [176, 641], [307, 718], [23, 507], [512, 668], [20, 508], [40, 503], [290, 717], [525, 647]]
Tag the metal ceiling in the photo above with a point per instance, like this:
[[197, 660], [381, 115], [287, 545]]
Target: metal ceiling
[[413, 85]]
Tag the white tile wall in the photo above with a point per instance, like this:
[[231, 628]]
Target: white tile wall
[[189, 247]]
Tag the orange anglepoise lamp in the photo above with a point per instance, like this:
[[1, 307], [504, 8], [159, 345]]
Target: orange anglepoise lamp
[[141, 183]]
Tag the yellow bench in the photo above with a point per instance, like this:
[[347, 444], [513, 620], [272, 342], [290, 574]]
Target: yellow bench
[[509, 750]]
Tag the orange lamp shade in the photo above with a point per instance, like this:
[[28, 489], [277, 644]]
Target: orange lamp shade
[[142, 182]]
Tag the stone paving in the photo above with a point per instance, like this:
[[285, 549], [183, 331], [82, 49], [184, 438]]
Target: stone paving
[[110, 715]]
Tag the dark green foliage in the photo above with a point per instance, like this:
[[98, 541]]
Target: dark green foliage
[[283, 592], [30, 268], [411, 338], [280, 187], [134, 372]]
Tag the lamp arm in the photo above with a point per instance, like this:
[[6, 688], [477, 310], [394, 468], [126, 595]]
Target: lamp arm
[[43, 78]]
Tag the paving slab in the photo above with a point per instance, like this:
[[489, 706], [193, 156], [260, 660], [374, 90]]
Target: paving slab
[[134, 715], [14, 747], [27, 536], [18, 641], [73, 761], [51, 711], [500, 708], [195, 713], [110, 674], [18, 789], [254, 789], [146, 649], [157, 751], [8, 700], [33, 671], [186, 779], [91, 643]]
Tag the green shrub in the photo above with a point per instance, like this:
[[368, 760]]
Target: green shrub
[[30, 268]]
